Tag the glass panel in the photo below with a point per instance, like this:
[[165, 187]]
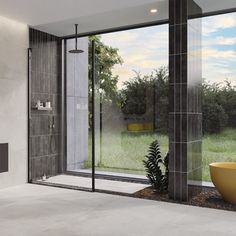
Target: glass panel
[[219, 90], [131, 106]]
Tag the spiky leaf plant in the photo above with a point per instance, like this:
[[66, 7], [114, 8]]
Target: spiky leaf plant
[[157, 167]]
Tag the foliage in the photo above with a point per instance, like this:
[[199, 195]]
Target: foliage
[[214, 118], [219, 106], [106, 83], [134, 99], [154, 167], [147, 95], [106, 58], [228, 102]]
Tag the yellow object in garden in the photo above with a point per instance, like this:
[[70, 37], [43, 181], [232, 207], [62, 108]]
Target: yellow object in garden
[[148, 126], [223, 176], [135, 127]]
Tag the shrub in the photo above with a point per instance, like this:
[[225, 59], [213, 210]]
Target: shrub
[[157, 167], [214, 118], [219, 106], [146, 97], [228, 102]]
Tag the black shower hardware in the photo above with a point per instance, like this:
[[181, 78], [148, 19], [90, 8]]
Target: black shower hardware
[[76, 50]]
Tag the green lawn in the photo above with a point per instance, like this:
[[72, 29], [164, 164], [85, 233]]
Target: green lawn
[[124, 152], [218, 148]]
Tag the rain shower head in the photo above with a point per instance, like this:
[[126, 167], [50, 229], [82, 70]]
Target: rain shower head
[[76, 50]]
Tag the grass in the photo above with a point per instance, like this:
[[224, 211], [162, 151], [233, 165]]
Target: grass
[[124, 152], [218, 148], [121, 151]]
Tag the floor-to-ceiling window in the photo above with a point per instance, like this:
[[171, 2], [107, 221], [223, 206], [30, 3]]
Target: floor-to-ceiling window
[[219, 90], [131, 107]]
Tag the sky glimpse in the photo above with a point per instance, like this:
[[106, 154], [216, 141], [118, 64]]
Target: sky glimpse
[[146, 49]]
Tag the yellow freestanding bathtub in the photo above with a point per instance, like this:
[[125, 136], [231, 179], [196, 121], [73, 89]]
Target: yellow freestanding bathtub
[[223, 176]]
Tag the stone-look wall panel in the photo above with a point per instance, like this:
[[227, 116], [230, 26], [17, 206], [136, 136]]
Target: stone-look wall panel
[[14, 41], [184, 98], [45, 85], [177, 99]]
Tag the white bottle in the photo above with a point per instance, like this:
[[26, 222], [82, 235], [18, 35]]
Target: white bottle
[[48, 104], [38, 103], [44, 178]]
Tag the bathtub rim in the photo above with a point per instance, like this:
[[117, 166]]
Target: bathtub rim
[[223, 165]]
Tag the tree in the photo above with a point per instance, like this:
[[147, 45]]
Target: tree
[[106, 58], [214, 118], [228, 101], [219, 106], [147, 96]]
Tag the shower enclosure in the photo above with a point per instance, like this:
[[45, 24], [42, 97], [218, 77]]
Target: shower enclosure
[[99, 139]]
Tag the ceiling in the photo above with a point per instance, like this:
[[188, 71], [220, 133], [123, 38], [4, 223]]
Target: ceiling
[[109, 19], [58, 16], [216, 5]]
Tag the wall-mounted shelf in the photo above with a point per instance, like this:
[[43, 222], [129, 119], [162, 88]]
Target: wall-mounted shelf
[[43, 108]]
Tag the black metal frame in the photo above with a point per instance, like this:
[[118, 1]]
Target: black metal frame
[[63, 166], [93, 114], [29, 52]]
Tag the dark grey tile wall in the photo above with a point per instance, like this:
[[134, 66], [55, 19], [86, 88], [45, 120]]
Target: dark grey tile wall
[[184, 97], [4, 157], [45, 85]]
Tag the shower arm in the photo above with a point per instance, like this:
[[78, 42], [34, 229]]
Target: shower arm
[[76, 35]]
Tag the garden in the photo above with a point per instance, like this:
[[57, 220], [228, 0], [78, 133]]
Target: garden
[[128, 158], [144, 98]]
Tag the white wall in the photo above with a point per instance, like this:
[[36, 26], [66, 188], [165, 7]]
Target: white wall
[[13, 99]]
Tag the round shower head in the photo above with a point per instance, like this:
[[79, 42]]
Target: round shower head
[[76, 50]]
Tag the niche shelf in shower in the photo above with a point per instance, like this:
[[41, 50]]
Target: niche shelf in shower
[[43, 108]]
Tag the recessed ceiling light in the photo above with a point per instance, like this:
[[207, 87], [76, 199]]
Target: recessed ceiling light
[[153, 10]]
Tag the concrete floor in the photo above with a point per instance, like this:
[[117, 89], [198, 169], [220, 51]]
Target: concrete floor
[[101, 184], [31, 210]]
